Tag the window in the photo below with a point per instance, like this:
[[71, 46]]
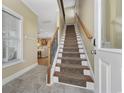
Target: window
[[11, 37]]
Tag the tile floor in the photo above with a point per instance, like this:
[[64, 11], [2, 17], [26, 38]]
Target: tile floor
[[34, 81]]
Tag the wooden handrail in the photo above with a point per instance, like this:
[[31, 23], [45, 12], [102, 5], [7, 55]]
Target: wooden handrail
[[88, 34], [49, 56]]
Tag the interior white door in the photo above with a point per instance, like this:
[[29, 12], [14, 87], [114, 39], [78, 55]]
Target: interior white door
[[108, 71], [108, 58]]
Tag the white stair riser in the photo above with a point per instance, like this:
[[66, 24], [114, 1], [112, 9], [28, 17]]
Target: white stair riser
[[62, 40], [78, 37], [57, 69], [60, 50], [79, 41], [84, 63], [83, 56], [87, 72], [59, 61], [59, 54], [80, 46], [90, 85], [61, 46], [55, 79], [81, 50], [62, 43]]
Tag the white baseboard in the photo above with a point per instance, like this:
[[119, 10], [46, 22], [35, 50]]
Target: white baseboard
[[17, 74]]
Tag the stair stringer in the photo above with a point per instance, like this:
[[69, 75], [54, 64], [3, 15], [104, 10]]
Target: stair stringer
[[55, 59], [88, 61], [56, 79]]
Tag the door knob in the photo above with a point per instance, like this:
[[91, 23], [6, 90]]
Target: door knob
[[93, 52]]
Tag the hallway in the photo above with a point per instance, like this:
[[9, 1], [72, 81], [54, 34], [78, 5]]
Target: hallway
[[34, 81], [61, 46]]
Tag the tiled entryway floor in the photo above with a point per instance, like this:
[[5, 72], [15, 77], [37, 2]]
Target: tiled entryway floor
[[34, 81]]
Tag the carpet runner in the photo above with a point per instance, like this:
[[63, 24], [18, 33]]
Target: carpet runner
[[72, 67]]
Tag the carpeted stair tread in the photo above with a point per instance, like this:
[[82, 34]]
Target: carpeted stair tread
[[78, 71], [70, 45], [72, 38], [71, 52], [74, 76], [76, 82], [64, 54], [71, 35], [75, 49], [74, 58], [73, 66], [71, 48], [69, 41]]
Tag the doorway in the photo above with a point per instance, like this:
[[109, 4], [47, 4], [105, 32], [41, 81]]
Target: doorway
[[42, 53]]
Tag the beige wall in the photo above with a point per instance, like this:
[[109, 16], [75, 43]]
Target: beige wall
[[70, 15], [85, 9], [86, 12], [29, 45]]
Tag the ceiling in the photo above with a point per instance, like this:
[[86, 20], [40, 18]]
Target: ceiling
[[46, 10], [42, 8], [69, 3]]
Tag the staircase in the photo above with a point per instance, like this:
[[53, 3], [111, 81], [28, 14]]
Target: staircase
[[71, 66]]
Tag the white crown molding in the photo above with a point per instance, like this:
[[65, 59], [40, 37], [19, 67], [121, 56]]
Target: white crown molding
[[30, 7]]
